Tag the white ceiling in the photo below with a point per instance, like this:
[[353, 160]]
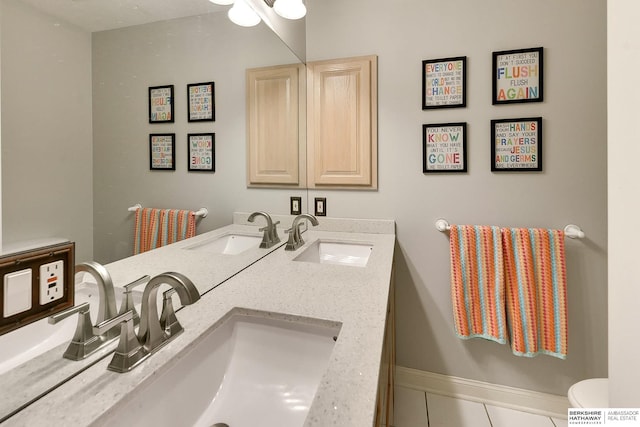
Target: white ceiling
[[99, 15]]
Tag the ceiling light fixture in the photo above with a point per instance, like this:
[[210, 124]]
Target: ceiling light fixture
[[290, 9], [222, 2], [242, 14]]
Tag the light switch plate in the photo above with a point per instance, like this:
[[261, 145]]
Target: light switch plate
[[296, 205], [17, 292], [321, 206]]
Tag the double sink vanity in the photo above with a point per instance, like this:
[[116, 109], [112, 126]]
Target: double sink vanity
[[295, 337]]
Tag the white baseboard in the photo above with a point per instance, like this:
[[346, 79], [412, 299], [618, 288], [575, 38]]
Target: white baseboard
[[493, 394]]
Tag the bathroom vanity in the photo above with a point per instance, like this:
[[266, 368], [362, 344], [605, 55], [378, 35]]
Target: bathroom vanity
[[337, 286]]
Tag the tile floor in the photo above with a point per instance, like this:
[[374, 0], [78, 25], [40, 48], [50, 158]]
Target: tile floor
[[415, 408]]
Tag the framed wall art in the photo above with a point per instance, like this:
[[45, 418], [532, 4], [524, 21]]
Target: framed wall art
[[444, 147], [516, 144], [161, 104], [162, 151], [202, 152], [444, 83], [518, 76], [201, 102]]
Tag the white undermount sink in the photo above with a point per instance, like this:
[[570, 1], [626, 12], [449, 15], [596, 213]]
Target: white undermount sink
[[227, 244], [254, 369], [337, 252]]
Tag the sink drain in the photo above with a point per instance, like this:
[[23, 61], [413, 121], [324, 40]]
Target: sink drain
[[220, 425]]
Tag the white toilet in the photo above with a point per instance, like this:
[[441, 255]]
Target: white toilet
[[591, 393]]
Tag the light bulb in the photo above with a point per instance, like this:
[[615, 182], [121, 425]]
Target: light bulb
[[222, 2], [242, 14], [290, 9]]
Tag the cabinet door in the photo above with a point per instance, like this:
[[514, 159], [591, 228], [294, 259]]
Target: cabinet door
[[342, 123], [275, 146]]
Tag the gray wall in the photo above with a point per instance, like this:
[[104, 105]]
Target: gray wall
[[571, 189], [46, 129], [190, 50]]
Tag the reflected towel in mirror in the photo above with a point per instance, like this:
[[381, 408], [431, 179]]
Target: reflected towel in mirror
[[159, 227]]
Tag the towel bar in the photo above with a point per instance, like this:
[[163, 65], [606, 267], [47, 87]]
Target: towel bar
[[572, 231], [203, 212]]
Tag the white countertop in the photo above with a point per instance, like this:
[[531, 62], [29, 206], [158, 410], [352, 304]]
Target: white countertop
[[30, 380], [356, 297]]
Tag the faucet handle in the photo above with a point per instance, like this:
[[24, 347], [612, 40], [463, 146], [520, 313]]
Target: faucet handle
[[84, 341], [129, 352], [168, 320], [127, 303], [82, 309], [274, 233], [295, 237], [141, 281]]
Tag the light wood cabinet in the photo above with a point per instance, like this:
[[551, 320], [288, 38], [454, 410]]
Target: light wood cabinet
[[276, 154], [317, 130], [386, 379], [342, 123]]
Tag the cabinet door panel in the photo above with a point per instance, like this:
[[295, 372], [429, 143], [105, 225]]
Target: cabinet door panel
[[273, 103], [342, 123]]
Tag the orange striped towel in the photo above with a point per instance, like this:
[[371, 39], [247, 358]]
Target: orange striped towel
[[536, 291], [159, 227], [477, 285]]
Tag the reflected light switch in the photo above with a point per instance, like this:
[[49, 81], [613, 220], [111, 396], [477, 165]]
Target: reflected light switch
[[17, 292]]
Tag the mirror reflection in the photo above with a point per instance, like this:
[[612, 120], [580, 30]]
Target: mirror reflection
[[75, 131]]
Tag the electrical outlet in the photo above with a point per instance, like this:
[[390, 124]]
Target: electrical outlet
[[51, 281]]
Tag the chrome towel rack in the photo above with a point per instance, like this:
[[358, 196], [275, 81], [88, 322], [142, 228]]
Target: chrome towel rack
[[203, 212], [572, 231]]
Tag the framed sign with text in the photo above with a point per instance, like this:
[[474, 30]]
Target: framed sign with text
[[161, 104], [444, 147], [202, 152], [201, 102], [516, 144], [162, 149], [518, 76], [443, 83]]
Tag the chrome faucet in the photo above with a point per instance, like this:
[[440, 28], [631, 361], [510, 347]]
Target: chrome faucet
[[150, 332], [86, 339], [107, 302], [295, 237], [133, 349], [270, 236]]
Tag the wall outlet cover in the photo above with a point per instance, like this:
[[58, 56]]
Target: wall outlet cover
[[51, 282], [321, 206], [296, 205]]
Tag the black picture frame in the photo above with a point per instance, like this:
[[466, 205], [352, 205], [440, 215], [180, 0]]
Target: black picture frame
[[518, 76], [516, 145], [161, 105], [444, 148], [201, 105], [444, 83], [162, 151], [201, 152]]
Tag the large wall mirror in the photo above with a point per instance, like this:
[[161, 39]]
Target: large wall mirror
[[75, 130]]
